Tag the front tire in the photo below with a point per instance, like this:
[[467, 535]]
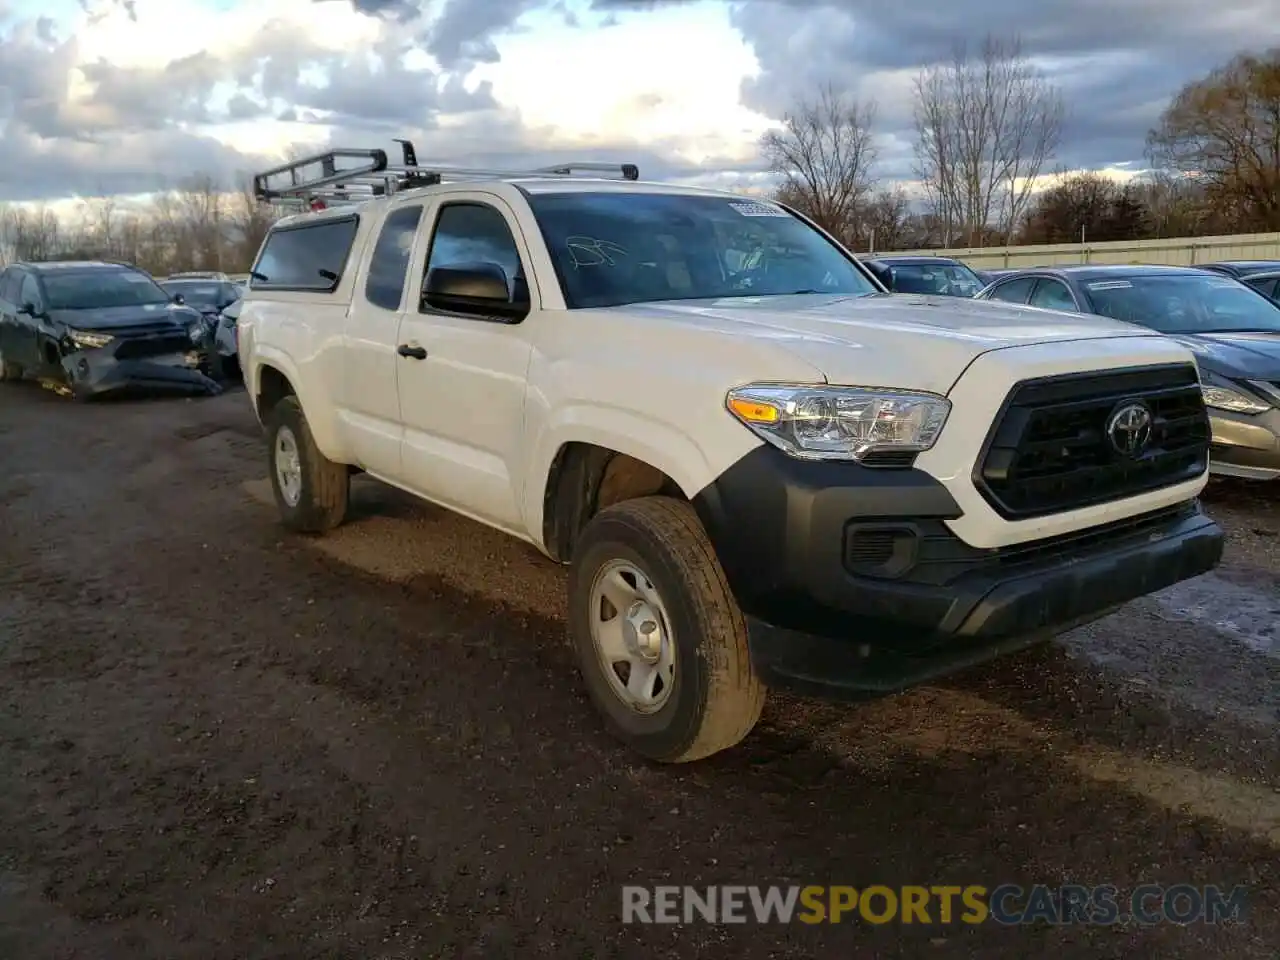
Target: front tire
[[661, 642], [311, 491]]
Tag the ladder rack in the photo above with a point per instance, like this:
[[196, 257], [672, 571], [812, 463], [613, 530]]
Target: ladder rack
[[345, 176]]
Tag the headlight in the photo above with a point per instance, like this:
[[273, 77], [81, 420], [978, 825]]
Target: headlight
[[197, 330], [88, 340], [1220, 397], [839, 423]]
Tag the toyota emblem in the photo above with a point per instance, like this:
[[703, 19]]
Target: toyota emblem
[[1129, 429]]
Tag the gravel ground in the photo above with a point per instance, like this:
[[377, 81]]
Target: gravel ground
[[219, 740]]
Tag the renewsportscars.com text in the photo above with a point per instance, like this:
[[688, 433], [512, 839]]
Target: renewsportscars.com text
[[1008, 904]]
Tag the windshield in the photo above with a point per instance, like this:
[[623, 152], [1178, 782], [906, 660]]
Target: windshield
[[207, 293], [1184, 303], [616, 248], [99, 289], [939, 279]]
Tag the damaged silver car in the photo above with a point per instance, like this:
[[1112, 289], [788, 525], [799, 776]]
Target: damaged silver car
[[93, 328]]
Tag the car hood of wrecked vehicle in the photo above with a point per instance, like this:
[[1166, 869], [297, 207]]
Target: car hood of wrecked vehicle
[[108, 318]]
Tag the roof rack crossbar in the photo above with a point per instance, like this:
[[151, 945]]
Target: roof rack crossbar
[[375, 177]]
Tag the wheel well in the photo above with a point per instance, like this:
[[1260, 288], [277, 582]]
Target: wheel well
[[273, 386], [51, 354], [586, 478]]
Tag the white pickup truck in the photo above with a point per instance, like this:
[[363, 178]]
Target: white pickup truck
[[761, 468]]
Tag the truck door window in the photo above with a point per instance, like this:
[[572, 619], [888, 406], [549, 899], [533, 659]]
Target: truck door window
[[390, 261], [471, 233]]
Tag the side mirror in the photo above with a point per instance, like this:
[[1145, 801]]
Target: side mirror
[[179, 299], [480, 289], [28, 308]]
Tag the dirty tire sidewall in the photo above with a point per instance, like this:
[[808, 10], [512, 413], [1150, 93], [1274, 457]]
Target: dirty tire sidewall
[[716, 697], [325, 484]]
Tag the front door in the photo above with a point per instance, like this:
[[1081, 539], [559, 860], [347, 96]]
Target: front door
[[34, 346], [462, 378]]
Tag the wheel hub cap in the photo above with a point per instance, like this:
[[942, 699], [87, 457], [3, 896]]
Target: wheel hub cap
[[288, 466], [642, 632], [632, 636]]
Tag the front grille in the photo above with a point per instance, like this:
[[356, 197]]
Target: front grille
[[1048, 451], [148, 328], [137, 348]]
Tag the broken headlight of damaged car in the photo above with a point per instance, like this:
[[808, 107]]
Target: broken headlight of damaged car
[[88, 339], [839, 423], [199, 331], [1221, 394]]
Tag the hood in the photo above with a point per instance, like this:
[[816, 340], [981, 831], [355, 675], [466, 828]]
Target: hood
[[1252, 356], [912, 342], [107, 318]]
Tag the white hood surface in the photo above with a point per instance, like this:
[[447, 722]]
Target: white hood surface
[[913, 342]]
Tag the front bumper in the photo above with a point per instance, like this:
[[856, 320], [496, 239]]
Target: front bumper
[[98, 373], [854, 586], [1245, 445]]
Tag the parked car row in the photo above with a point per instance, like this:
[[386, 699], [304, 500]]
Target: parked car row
[[1226, 313], [94, 328]]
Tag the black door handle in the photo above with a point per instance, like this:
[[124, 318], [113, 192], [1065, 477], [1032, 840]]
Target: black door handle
[[414, 353]]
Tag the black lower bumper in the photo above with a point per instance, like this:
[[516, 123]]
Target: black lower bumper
[[854, 586], [92, 374]]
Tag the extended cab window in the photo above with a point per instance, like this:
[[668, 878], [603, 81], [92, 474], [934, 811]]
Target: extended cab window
[[390, 261], [616, 248], [1015, 291], [474, 233], [310, 256]]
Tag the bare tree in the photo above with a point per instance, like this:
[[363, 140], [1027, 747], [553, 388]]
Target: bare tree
[[986, 125], [1223, 132], [198, 224], [884, 220], [824, 154]]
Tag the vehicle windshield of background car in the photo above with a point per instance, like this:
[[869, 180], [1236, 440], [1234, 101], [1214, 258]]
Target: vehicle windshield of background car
[[101, 289], [1185, 303], [611, 249], [206, 295], [938, 279]]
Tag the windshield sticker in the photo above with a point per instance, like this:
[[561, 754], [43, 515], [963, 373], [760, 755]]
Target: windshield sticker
[[590, 252], [759, 210], [1111, 285]]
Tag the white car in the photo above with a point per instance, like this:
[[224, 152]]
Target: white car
[[775, 476]]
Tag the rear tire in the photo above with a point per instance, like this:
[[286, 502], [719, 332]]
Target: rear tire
[[311, 491], [708, 694]]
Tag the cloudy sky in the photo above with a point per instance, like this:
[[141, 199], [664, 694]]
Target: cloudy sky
[[115, 96]]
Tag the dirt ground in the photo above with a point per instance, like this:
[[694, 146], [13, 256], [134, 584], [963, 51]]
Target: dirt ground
[[219, 740]]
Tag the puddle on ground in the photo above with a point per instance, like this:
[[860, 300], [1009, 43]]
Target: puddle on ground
[[1252, 617]]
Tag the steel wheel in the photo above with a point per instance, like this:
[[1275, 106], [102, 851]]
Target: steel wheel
[[288, 466], [632, 636]]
